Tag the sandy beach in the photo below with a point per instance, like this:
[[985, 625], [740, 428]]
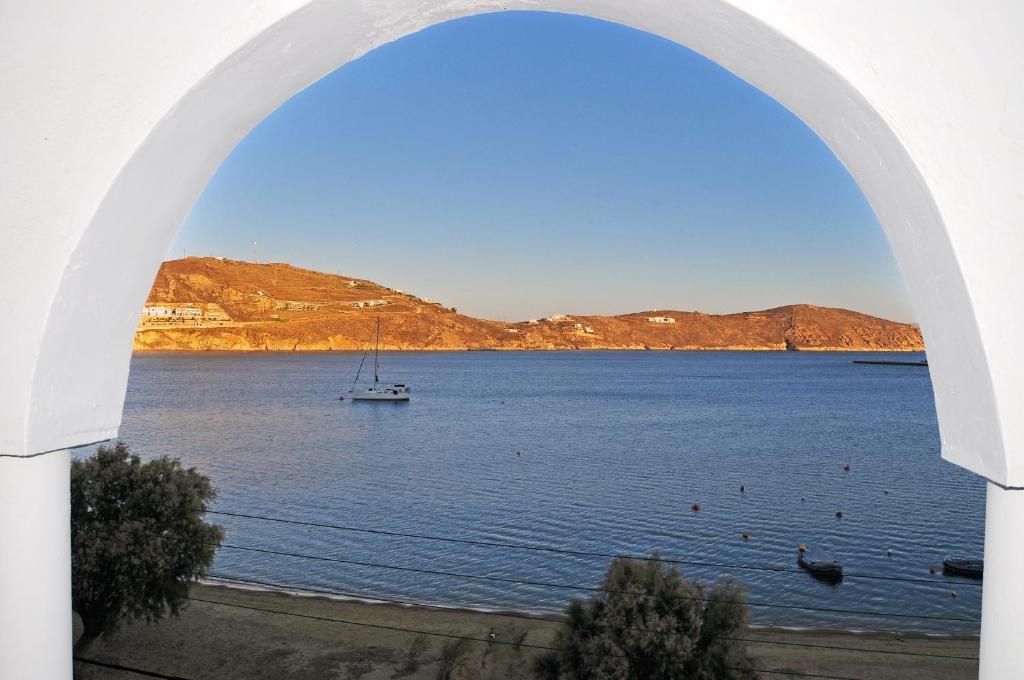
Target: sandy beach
[[240, 633]]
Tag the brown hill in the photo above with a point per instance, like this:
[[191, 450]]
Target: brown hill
[[216, 304]]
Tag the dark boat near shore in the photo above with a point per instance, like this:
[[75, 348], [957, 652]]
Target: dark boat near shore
[[969, 568], [821, 564]]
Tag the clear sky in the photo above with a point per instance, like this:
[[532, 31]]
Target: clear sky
[[519, 165]]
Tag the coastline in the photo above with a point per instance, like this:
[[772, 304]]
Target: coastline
[[436, 350], [256, 632]]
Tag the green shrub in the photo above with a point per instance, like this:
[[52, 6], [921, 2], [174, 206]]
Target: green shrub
[[651, 623], [138, 538]]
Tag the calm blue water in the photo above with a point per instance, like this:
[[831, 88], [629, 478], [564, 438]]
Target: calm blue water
[[615, 448]]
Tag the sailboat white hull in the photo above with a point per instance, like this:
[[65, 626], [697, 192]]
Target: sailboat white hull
[[382, 393], [379, 391]]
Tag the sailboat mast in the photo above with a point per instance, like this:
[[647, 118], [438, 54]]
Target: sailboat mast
[[376, 355]]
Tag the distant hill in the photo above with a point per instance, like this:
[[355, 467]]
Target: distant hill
[[217, 304]]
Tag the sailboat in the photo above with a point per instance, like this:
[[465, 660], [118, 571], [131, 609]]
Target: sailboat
[[379, 391]]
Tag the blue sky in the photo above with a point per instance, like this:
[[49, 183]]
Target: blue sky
[[519, 165]]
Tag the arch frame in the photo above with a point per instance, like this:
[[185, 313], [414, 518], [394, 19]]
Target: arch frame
[[117, 115], [75, 382]]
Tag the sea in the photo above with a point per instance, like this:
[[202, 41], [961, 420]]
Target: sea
[[537, 467]]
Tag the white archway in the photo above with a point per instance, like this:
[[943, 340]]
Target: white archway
[[118, 117]]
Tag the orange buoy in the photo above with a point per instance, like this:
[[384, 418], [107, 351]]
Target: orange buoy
[[802, 548], [746, 535], [695, 506]]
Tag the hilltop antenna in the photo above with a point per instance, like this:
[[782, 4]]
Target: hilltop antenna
[[254, 252]]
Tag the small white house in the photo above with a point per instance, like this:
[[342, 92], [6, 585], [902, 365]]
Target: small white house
[[661, 319], [369, 303], [171, 311]]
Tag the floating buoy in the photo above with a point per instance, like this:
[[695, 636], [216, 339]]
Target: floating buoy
[[932, 569], [695, 506], [889, 552], [743, 489], [519, 452], [886, 492], [802, 499], [846, 468], [341, 397], [839, 514], [502, 402], [953, 594], [746, 535], [802, 548]]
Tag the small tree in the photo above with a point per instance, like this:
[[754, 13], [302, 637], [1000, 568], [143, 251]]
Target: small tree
[[138, 538], [650, 623]]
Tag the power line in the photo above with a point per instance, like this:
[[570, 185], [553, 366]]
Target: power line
[[578, 553], [164, 676], [528, 617], [378, 626], [375, 598], [798, 674], [574, 587], [453, 636], [128, 669], [811, 645]]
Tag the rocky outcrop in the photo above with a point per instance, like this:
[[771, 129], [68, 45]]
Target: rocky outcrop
[[279, 307]]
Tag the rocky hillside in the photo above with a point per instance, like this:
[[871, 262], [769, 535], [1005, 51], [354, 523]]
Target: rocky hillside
[[216, 304]]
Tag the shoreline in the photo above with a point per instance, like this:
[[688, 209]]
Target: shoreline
[[545, 616], [258, 632], [461, 350]]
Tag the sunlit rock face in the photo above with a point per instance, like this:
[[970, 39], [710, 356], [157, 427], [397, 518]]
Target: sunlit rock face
[[216, 304]]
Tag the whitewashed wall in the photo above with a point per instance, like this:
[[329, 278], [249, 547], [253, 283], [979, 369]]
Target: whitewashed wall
[[116, 113]]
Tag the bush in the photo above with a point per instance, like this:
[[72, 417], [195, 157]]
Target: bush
[[138, 538], [453, 655], [650, 623]]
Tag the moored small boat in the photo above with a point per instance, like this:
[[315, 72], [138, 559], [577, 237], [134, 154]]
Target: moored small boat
[[378, 391], [382, 392], [969, 568], [821, 564]]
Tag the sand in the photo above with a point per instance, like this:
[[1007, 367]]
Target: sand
[[214, 641]]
